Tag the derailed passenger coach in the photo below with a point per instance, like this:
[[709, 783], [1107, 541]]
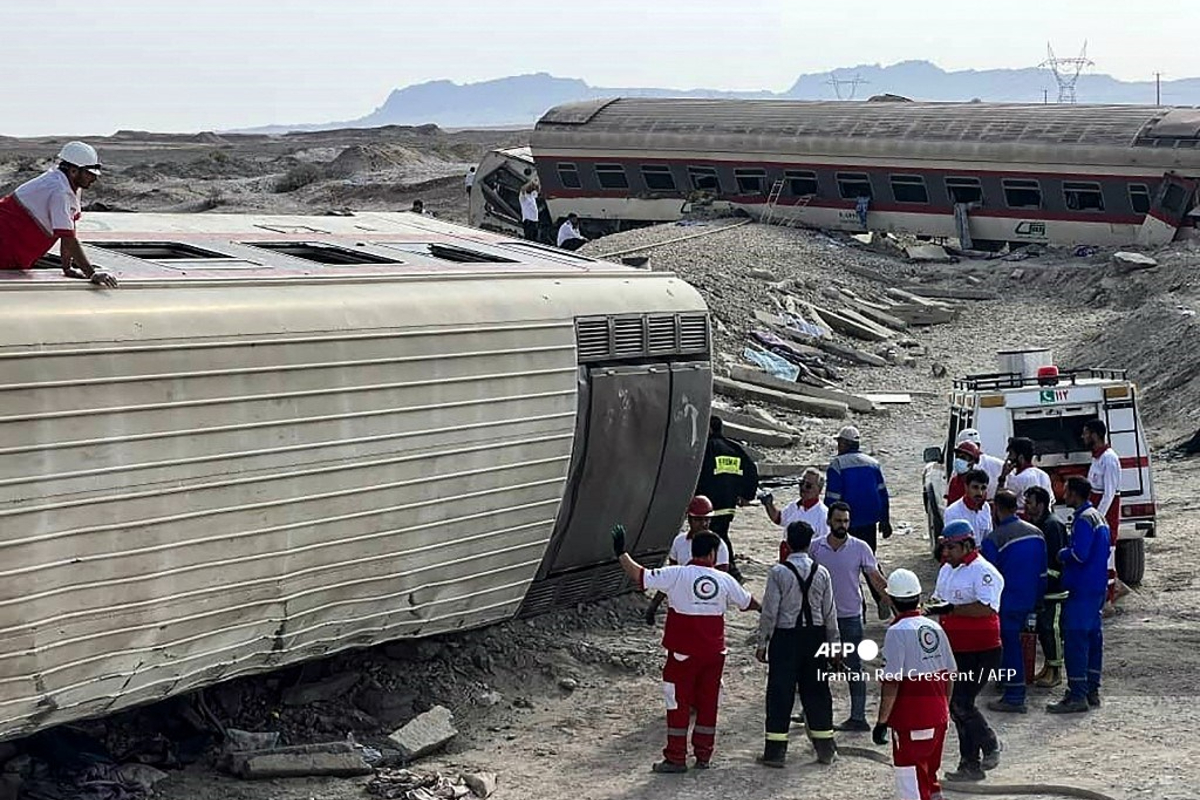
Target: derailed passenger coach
[[283, 437], [1019, 174]]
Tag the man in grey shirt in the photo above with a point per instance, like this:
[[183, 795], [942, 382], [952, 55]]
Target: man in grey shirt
[[798, 616]]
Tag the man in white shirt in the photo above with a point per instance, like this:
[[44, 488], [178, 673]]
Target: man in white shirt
[[1019, 473], [528, 198], [469, 180], [1105, 477], [44, 211], [569, 237], [990, 464], [699, 517], [807, 508], [973, 507]]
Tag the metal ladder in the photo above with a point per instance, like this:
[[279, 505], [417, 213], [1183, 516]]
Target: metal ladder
[[769, 215]]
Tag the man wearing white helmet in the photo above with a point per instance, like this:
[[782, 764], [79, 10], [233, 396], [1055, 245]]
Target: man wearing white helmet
[[44, 211], [990, 464], [915, 686]]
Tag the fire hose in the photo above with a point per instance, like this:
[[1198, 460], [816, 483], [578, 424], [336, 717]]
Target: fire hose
[[986, 788]]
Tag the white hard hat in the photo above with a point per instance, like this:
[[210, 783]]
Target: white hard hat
[[903, 584], [968, 435], [848, 434], [82, 155]]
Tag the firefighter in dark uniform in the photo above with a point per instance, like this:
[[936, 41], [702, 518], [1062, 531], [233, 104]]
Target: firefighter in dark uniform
[[728, 477], [798, 616], [1049, 618]]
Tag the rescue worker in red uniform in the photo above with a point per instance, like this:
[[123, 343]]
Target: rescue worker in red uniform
[[694, 637], [43, 211], [915, 688]]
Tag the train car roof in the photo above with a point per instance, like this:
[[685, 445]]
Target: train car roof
[[968, 123], [140, 246]]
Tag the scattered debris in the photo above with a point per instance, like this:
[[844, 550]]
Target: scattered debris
[[568, 684], [328, 689], [758, 378], [953, 293], [403, 784], [809, 405], [481, 784], [927, 253], [333, 759], [752, 417], [779, 367], [758, 436], [764, 275], [425, 733], [896, 398], [1128, 262]]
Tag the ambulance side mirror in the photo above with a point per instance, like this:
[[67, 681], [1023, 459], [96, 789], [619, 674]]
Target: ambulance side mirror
[[932, 455]]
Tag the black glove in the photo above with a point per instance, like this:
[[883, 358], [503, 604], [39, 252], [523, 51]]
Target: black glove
[[618, 539], [885, 528], [939, 609], [879, 735]]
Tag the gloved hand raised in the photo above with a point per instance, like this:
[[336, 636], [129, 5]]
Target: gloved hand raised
[[618, 539], [879, 735]]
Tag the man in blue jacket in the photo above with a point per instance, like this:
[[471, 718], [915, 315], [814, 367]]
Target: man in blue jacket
[[1018, 550], [856, 479], [1085, 577]]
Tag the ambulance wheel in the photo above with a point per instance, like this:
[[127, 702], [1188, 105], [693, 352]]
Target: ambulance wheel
[[1131, 560]]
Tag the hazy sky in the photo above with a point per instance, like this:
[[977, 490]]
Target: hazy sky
[[96, 67]]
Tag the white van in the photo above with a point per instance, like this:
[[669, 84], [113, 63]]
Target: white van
[[1051, 410]]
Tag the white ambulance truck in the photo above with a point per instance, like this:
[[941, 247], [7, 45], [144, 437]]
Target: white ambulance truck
[[1030, 397]]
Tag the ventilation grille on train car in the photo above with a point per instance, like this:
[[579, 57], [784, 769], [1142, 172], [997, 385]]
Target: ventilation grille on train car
[[588, 585], [642, 336]]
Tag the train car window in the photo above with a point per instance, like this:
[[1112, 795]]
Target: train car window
[[322, 253], [658, 177], [1019, 193], [801, 183], [964, 190], [1174, 199], [909, 189], [751, 181], [612, 176], [853, 185], [160, 251], [568, 175], [1139, 198], [704, 179], [1080, 196]]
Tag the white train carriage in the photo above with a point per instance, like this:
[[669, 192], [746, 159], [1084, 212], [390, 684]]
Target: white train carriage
[[287, 436], [1023, 173]]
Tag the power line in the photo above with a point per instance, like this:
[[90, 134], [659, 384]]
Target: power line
[[853, 83], [1066, 71]]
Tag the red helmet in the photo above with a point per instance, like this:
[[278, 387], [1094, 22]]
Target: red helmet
[[700, 506]]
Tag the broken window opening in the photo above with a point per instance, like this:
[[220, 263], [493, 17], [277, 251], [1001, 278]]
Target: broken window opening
[[909, 189], [1139, 198], [612, 176], [801, 183], [1080, 196], [704, 179], [1174, 199], [853, 185], [964, 190], [449, 252], [568, 175], [159, 251], [320, 253], [1019, 193], [658, 178], [750, 181]]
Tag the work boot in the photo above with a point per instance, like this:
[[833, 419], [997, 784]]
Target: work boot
[[669, 767], [1049, 678], [853, 725], [1093, 699], [991, 760], [967, 771], [1068, 705], [826, 750], [1006, 707], [1037, 676], [702, 764], [774, 754]]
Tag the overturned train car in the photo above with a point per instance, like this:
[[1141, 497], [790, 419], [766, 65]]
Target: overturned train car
[[287, 436], [1059, 174]]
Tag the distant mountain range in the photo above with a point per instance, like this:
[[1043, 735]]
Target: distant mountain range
[[519, 100]]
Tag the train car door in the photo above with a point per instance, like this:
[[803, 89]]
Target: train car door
[[1176, 197]]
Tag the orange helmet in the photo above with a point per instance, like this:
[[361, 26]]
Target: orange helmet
[[700, 506]]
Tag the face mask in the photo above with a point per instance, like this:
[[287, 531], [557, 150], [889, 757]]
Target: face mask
[[960, 466]]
